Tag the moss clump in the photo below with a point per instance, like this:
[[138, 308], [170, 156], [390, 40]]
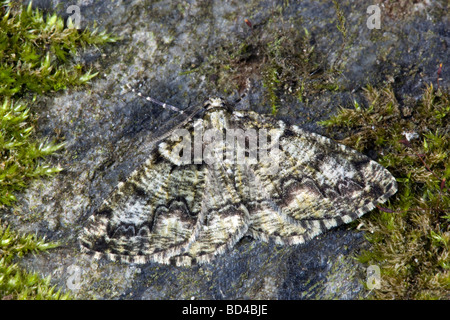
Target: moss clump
[[33, 48], [20, 155], [279, 53], [411, 236], [15, 283], [290, 65], [341, 25]]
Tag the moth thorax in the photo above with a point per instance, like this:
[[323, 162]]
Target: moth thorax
[[216, 113], [215, 103], [218, 119]]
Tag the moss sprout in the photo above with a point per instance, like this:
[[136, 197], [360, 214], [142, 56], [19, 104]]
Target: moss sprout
[[276, 52], [15, 283]]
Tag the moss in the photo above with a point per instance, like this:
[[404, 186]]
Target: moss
[[278, 52], [15, 283], [341, 25], [20, 155], [34, 49], [410, 236]]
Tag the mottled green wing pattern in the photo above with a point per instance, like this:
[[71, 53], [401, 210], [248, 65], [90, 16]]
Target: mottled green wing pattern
[[184, 212], [318, 184]]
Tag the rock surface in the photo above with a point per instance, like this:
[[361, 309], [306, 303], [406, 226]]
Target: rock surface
[[167, 49]]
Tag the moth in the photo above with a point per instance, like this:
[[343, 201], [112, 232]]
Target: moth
[[200, 191]]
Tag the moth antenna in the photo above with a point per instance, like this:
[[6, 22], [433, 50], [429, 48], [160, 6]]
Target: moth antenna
[[162, 104]]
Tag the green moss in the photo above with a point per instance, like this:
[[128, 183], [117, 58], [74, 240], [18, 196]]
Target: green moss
[[410, 237], [276, 52], [20, 155], [33, 52], [15, 283], [341, 25]]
